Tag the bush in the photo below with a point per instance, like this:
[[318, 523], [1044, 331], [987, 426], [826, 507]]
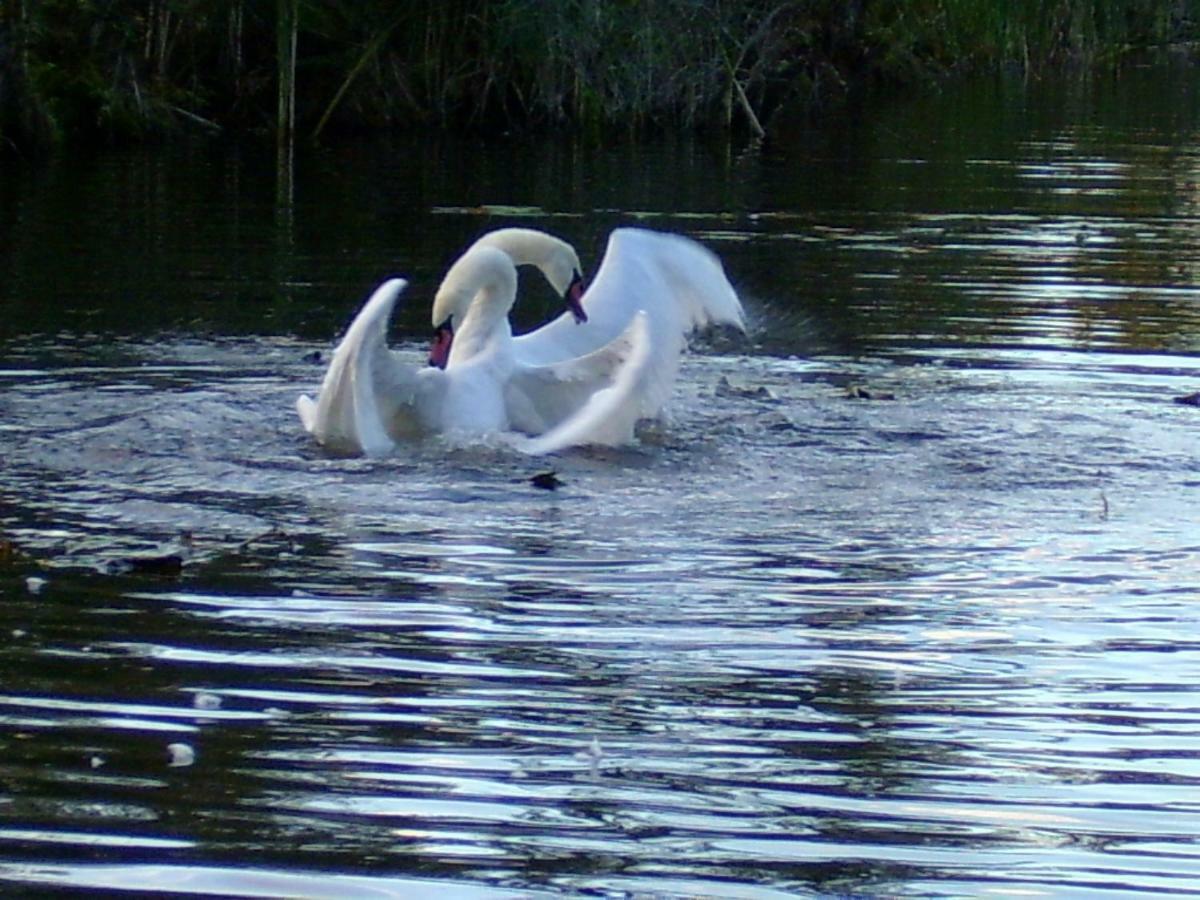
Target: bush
[[132, 69]]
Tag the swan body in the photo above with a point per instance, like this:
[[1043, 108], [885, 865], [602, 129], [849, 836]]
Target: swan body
[[477, 292], [587, 377]]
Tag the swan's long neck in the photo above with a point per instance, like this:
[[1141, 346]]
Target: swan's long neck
[[484, 323], [526, 246], [529, 247], [475, 298]]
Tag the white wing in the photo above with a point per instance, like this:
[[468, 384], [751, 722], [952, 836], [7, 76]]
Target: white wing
[[538, 398], [672, 277], [368, 396], [609, 414], [680, 285]]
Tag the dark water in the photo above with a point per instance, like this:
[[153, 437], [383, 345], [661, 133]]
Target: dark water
[[938, 640]]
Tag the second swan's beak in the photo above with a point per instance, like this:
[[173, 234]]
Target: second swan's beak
[[574, 299], [439, 350]]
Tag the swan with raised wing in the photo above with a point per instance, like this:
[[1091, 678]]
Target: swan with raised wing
[[584, 378]]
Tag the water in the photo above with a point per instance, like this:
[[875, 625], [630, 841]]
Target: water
[[937, 640]]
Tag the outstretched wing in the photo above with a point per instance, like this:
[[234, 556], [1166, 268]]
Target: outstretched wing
[[367, 395], [676, 280], [538, 398], [608, 414], [678, 283]]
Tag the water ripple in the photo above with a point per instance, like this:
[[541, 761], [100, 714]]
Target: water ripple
[[901, 600]]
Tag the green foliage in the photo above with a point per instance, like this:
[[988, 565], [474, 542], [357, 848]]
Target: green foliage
[[1032, 34], [129, 69]]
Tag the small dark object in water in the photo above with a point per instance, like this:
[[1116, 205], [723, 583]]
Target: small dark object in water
[[313, 356], [547, 481], [1189, 399], [857, 392], [726, 389], [9, 553], [169, 565]]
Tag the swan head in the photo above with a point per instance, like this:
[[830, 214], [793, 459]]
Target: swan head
[[481, 285], [565, 275], [554, 257]]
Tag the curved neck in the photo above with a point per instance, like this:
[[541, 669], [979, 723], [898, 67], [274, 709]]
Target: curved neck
[[475, 298], [525, 246], [529, 247], [485, 320]]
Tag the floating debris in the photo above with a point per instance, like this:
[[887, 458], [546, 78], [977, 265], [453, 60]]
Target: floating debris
[[9, 553], [499, 209], [858, 392], [180, 755], [97, 761], [168, 565], [34, 584], [726, 388], [547, 481], [592, 755], [204, 700], [274, 533]]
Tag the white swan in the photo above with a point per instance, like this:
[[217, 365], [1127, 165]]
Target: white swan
[[555, 258], [370, 398], [565, 384]]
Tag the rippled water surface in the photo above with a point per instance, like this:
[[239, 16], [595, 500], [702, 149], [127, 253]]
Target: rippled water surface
[[903, 601]]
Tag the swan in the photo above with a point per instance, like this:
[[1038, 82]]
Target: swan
[[370, 398], [555, 258], [586, 377]]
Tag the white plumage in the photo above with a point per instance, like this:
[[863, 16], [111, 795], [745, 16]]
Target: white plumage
[[565, 384]]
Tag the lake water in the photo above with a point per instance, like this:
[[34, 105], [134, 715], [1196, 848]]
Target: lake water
[[903, 601]]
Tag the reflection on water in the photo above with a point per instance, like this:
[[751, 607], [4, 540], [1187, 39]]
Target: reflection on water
[[938, 642]]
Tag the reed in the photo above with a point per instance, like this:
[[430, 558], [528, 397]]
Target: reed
[[287, 29], [132, 69], [1032, 34]]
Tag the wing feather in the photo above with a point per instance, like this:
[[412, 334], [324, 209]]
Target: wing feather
[[368, 394], [679, 284], [541, 397], [610, 413]]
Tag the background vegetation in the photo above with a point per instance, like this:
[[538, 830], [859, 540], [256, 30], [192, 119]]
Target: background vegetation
[[72, 70]]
